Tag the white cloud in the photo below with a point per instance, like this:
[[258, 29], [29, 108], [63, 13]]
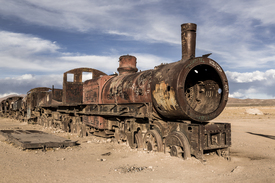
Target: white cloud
[[255, 84], [249, 77], [30, 53], [24, 51], [147, 20], [239, 33], [237, 95], [244, 94], [22, 84], [104, 63], [24, 44], [141, 20], [109, 64], [147, 61], [7, 94], [262, 10], [25, 77]]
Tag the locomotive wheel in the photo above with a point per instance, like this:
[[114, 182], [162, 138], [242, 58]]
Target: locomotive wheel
[[139, 140], [176, 151], [178, 145], [153, 141]]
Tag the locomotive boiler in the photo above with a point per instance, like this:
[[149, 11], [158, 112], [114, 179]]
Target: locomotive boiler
[[165, 109]]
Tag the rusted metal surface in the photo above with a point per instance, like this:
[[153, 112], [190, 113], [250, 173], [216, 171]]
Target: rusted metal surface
[[177, 145], [127, 64], [52, 97], [10, 102], [18, 104], [2, 107], [73, 90], [33, 139], [96, 122], [138, 110], [92, 90], [35, 98], [43, 96], [10, 105], [128, 88], [194, 89], [56, 95], [188, 40], [196, 138], [216, 135]]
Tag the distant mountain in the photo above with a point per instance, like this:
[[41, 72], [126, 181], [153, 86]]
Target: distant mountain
[[235, 102], [12, 95]]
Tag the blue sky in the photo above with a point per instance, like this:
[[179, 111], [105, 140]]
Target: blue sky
[[40, 40]]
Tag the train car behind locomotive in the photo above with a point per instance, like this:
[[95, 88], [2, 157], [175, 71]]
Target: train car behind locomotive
[[11, 107], [38, 97]]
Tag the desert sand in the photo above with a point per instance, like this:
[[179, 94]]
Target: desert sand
[[100, 160]]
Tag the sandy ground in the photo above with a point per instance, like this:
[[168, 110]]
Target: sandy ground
[[252, 157]]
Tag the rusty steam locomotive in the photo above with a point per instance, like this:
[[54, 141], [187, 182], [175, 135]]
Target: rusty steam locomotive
[[163, 109]]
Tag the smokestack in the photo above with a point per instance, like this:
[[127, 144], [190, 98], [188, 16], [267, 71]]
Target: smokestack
[[188, 40]]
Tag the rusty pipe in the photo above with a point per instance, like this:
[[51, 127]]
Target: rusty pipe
[[188, 40]]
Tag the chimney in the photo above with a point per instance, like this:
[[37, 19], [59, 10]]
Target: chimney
[[127, 64], [188, 40]]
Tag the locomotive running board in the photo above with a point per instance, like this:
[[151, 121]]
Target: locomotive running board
[[33, 139]]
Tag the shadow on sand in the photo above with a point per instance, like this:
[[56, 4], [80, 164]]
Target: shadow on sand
[[262, 135]]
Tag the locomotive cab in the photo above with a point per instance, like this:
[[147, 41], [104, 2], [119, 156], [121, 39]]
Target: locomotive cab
[[73, 84]]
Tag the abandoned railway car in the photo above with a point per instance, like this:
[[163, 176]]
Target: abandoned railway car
[[165, 109], [11, 107], [41, 96]]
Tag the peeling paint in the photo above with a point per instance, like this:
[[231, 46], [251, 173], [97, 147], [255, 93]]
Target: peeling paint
[[165, 96]]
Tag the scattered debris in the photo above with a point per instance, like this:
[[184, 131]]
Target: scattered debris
[[133, 169], [33, 139], [106, 154], [237, 169], [101, 159]]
